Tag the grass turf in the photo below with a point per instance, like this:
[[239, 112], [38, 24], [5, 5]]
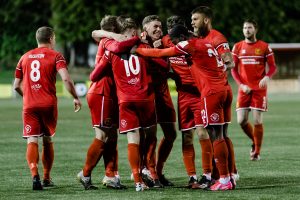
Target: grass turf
[[276, 176]]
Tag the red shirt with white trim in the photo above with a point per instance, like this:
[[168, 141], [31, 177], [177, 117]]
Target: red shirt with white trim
[[38, 69], [250, 62]]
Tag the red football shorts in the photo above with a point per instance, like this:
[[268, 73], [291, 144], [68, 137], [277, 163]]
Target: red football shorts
[[164, 107], [256, 99], [215, 107], [103, 109], [135, 115], [227, 106], [39, 122], [189, 109]]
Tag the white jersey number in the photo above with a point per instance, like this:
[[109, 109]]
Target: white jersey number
[[213, 52], [129, 65], [35, 73]]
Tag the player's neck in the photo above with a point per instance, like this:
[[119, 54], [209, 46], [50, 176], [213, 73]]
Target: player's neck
[[250, 40], [45, 45]]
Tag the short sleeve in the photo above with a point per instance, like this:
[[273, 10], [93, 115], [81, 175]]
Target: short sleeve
[[60, 62]]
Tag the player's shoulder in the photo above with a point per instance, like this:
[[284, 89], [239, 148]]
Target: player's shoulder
[[238, 44], [216, 33], [262, 43]]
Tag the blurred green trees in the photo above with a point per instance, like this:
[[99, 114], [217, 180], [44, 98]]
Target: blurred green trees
[[73, 20]]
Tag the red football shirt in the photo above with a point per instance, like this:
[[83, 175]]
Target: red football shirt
[[250, 60], [131, 75], [38, 69], [179, 64], [207, 66], [218, 40], [105, 86]]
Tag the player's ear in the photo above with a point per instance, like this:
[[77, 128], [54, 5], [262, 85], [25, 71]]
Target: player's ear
[[206, 20]]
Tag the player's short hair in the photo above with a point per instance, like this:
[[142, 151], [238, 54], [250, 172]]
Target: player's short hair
[[179, 30], [109, 23], [251, 21], [205, 10], [44, 34], [149, 19], [173, 20], [125, 23]]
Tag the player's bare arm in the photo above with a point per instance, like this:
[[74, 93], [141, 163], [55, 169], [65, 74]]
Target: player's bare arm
[[18, 86], [98, 34], [69, 84]]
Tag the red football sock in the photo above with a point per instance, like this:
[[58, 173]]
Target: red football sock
[[32, 156], [164, 151], [109, 157], [221, 157], [188, 152], [151, 157], [215, 172], [207, 155], [116, 160], [248, 130], [47, 159], [134, 160], [231, 156], [258, 137], [93, 156]]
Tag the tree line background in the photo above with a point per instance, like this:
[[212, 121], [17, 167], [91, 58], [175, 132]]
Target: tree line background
[[73, 21]]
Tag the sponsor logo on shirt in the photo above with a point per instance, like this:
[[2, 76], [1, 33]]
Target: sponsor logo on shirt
[[133, 81], [250, 61], [28, 128], [36, 55], [36, 87], [178, 60], [123, 123], [257, 51], [214, 117]]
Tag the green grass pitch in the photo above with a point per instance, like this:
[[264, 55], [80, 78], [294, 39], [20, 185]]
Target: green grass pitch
[[276, 176]]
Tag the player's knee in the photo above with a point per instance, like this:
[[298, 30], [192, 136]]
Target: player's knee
[[257, 121], [100, 134], [133, 138], [47, 139], [171, 137], [32, 140], [187, 138], [242, 121], [112, 136], [202, 133]]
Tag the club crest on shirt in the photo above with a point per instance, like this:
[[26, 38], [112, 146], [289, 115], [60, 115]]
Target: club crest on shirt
[[257, 51], [243, 51], [123, 123], [214, 117], [28, 128]]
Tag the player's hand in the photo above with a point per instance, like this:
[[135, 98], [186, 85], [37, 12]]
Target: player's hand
[[157, 43], [245, 88], [263, 83], [77, 105]]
